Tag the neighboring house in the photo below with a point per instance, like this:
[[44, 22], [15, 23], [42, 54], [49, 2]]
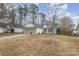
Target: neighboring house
[[34, 29], [30, 29], [76, 30], [40, 29], [47, 28]]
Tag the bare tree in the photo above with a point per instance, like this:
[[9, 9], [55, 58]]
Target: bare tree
[[3, 11], [41, 19], [12, 15], [20, 12], [66, 25]]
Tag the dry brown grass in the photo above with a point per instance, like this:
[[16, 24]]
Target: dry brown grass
[[40, 45], [7, 34]]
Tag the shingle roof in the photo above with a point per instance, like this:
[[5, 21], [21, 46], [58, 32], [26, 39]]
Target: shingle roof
[[29, 25]]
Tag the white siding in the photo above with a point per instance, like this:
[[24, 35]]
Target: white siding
[[18, 30], [39, 30], [54, 30]]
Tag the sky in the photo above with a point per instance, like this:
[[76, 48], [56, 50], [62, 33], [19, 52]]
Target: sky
[[73, 8], [68, 9]]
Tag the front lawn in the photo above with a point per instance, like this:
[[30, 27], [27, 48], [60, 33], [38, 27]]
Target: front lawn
[[43, 45], [7, 34]]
